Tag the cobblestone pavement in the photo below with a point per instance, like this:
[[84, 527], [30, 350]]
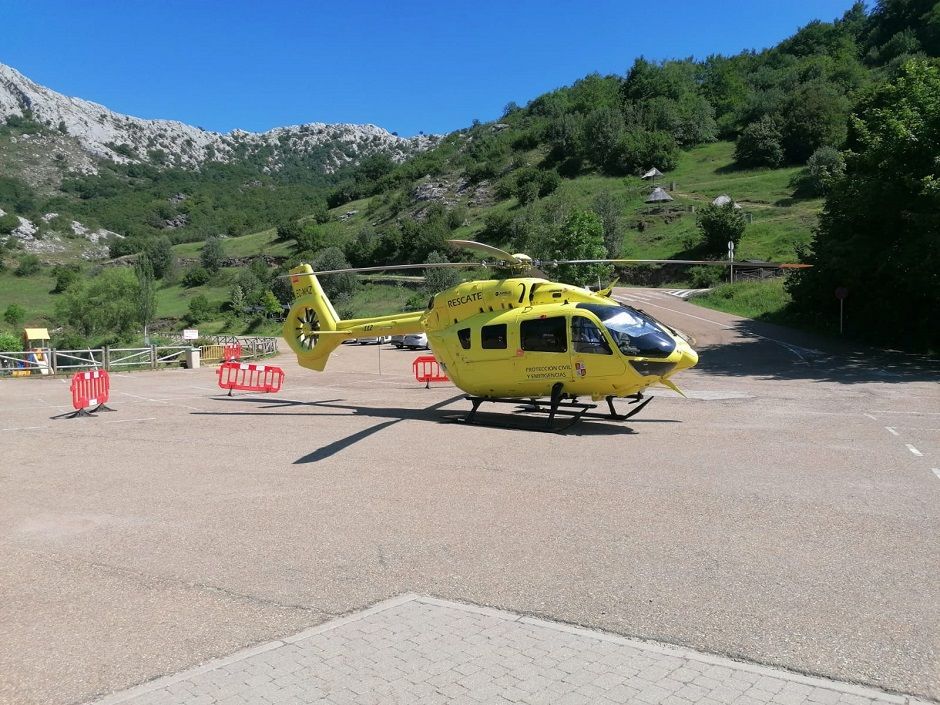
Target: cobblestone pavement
[[418, 650]]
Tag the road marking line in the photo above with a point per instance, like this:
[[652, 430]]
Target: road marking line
[[789, 346], [892, 431], [916, 413], [871, 417], [23, 428], [914, 450], [936, 471]]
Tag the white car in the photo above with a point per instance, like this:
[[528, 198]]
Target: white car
[[413, 341]]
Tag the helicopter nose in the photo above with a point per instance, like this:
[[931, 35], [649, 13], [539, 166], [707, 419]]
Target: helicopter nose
[[689, 359]]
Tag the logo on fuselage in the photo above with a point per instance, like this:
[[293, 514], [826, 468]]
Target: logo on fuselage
[[466, 299]]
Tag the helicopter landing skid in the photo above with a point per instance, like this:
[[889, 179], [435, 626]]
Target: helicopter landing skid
[[534, 406], [575, 411], [557, 405]]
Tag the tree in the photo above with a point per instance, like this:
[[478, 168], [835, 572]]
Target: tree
[[601, 133], [14, 315], [104, 305], [199, 309], [436, 280], [640, 149], [759, 144], [608, 209], [211, 255], [719, 224], [581, 237], [336, 286], [270, 304], [880, 227], [289, 231], [160, 253], [815, 115], [236, 299], [147, 294]]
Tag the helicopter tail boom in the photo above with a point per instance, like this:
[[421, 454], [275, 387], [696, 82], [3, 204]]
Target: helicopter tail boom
[[313, 329]]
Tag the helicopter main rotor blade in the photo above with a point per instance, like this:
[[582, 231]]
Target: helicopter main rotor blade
[[485, 249], [387, 267], [717, 263]]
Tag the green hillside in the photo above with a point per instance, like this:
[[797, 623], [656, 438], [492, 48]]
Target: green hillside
[[779, 131]]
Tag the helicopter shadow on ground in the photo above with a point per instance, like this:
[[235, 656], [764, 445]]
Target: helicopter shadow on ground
[[435, 413], [770, 351]]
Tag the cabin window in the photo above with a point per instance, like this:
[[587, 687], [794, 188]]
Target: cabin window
[[463, 335], [544, 335], [587, 337], [493, 337]]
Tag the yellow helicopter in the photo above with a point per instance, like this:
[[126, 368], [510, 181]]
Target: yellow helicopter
[[512, 339]]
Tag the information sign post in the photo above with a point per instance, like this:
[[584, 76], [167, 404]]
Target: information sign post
[[842, 294]]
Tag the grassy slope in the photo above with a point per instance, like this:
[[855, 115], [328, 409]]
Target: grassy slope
[[759, 299], [779, 224], [32, 293], [264, 242]]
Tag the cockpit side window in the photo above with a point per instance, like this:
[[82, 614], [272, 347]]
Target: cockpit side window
[[587, 337], [633, 331], [463, 335]]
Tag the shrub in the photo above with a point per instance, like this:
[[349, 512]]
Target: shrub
[[197, 276], [10, 342], [706, 276], [64, 275], [28, 266], [200, 309], [719, 224], [14, 315], [824, 166], [8, 223]]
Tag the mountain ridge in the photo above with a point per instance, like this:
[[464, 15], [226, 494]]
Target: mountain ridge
[[106, 134]]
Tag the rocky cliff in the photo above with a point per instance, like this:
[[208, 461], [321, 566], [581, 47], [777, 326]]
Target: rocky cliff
[[103, 133]]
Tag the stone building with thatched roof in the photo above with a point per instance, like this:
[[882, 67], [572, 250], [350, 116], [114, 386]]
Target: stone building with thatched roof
[[658, 195]]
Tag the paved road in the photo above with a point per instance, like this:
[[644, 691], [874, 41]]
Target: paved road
[[779, 514]]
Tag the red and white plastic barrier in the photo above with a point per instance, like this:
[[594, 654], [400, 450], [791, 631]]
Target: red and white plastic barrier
[[232, 352], [428, 369], [247, 377], [92, 388]]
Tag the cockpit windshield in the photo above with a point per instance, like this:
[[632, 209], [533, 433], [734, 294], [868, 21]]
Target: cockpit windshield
[[634, 332]]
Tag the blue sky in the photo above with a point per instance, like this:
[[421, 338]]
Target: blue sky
[[429, 66]]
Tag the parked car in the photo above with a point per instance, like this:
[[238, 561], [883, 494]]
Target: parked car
[[374, 340], [413, 341], [398, 341]]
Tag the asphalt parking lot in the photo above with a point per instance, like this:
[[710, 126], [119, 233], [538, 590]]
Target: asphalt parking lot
[[786, 512]]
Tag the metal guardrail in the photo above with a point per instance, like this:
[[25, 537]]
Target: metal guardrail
[[52, 361]]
